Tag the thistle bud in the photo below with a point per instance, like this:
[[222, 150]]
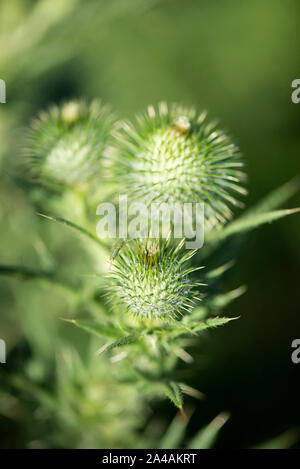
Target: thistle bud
[[173, 155], [151, 279], [67, 143]]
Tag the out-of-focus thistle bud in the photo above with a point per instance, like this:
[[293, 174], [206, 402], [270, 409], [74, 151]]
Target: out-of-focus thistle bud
[[173, 155], [151, 279], [66, 144]]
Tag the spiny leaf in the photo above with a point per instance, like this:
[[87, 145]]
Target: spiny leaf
[[213, 322], [129, 339], [76, 227], [207, 436], [173, 391], [276, 198], [193, 328], [101, 330], [249, 223]]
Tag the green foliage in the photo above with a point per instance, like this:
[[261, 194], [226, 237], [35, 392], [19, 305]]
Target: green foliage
[[206, 437], [176, 435], [55, 391], [173, 391], [284, 441], [143, 313], [100, 330], [76, 227], [250, 222], [81, 397]]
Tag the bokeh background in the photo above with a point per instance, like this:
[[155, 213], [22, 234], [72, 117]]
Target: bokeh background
[[236, 59]]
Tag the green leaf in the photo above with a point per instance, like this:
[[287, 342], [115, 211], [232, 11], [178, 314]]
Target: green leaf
[[175, 433], [276, 198], [173, 391], [116, 249], [249, 223], [206, 437], [195, 327], [129, 339], [216, 273], [284, 441], [101, 330], [220, 301], [213, 303], [25, 273], [212, 322], [199, 313], [44, 397], [78, 228], [189, 391]]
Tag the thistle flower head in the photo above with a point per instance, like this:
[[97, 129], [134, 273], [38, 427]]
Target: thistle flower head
[[67, 143], [151, 279], [174, 155]]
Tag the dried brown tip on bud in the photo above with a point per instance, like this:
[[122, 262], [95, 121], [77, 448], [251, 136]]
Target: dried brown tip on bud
[[182, 125], [70, 112]]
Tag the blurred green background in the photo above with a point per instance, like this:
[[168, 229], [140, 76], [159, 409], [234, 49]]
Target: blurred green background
[[236, 59]]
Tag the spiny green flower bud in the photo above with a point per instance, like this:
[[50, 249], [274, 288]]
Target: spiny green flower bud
[[151, 279], [67, 143], [173, 155]]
